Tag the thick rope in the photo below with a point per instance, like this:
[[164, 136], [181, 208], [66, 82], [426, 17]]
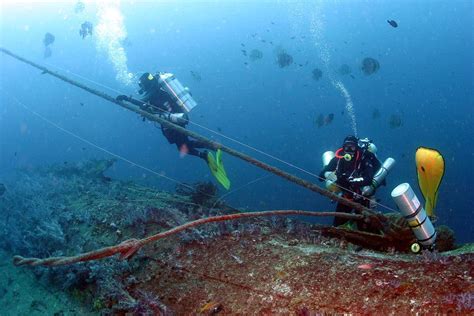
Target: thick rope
[[129, 247], [211, 144]]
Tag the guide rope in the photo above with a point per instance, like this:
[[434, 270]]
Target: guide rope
[[129, 247], [211, 144]]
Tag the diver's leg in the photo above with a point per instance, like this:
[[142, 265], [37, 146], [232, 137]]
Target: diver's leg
[[344, 209], [198, 144], [187, 147]]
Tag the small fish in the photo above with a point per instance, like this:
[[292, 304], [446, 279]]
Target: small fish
[[328, 119], [79, 7], [246, 63], [393, 23], [293, 37], [15, 154], [395, 121], [365, 266], [211, 308], [263, 41], [244, 52], [242, 44], [48, 39], [352, 76], [219, 129], [273, 23], [82, 104], [86, 29]]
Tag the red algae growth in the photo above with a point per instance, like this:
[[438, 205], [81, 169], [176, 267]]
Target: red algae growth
[[253, 266], [275, 274]]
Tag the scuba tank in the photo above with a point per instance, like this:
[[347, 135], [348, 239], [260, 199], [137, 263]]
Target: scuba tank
[[329, 175], [415, 214], [176, 91], [367, 144], [379, 177]]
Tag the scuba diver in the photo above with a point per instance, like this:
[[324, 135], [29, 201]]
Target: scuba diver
[[86, 29], [354, 171], [165, 96]]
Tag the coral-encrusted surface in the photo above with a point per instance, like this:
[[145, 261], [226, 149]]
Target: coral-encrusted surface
[[276, 274], [272, 265]]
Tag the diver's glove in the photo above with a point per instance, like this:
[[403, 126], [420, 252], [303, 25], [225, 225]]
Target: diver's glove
[[368, 190], [122, 97], [331, 179], [178, 118], [331, 176], [356, 180]]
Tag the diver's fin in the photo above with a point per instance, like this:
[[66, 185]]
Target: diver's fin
[[217, 168], [430, 170]]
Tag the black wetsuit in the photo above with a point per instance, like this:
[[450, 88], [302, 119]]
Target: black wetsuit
[[365, 168], [163, 105]]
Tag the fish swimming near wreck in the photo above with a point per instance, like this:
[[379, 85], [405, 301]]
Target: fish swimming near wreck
[[393, 23]]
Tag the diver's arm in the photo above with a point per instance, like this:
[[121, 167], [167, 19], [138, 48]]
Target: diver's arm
[[136, 102], [369, 172]]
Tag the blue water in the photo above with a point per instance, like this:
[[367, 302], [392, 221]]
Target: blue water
[[425, 77]]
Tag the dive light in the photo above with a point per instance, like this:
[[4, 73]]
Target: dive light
[[415, 214]]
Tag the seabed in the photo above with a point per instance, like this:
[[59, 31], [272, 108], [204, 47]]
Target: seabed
[[264, 266]]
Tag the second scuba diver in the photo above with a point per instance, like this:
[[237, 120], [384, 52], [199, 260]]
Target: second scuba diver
[[355, 171], [164, 96]]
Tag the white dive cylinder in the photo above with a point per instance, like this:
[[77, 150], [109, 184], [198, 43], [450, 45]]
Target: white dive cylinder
[[177, 91], [327, 157], [379, 176], [415, 214], [329, 175]]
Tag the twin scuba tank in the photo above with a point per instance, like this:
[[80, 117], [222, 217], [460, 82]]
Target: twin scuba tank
[[379, 177], [176, 91]]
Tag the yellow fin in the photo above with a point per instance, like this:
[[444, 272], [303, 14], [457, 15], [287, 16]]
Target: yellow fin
[[217, 168], [430, 170]]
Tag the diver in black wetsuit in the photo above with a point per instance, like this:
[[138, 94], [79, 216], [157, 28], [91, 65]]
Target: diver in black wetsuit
[[352, 170], [157, 101], [165, 96]]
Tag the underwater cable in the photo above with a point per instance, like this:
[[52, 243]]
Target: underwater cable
[[93, 144], [233, 139], [129, 248], [128, 160], [210, 143], [239, 188], [338, 84]]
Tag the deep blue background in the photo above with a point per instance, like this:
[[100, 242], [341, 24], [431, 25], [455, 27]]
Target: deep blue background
[[426, 77]]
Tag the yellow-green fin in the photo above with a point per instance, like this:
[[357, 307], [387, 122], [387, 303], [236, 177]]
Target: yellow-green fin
[[217, 168]]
